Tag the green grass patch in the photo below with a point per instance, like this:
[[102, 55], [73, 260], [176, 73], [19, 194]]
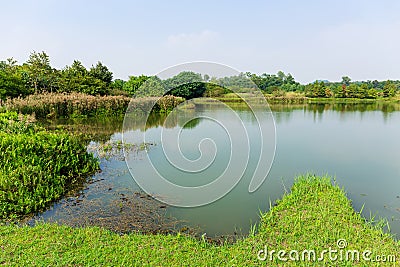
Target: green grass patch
[[37, 167], [313, 216]]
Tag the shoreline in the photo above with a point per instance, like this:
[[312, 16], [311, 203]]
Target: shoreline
[[314, 215]]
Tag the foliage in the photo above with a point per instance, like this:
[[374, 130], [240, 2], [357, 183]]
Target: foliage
[[118, 84], [235, 82], [133, 84], [317, 89], [280, 81], [76, 78], [389, 90], [37, 167], [11, 82], [189, 90], [101, 73], [186, 84], [11, 85], [346, 80], [362, 89], [215, 90], [39, 74], [349, 90], [12, 122], [313, 216], [151, 87]]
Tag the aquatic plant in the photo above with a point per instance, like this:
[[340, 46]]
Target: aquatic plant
[[37, 167], [56, 105]]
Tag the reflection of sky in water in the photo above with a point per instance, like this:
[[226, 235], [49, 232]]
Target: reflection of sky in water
[[216, 150]]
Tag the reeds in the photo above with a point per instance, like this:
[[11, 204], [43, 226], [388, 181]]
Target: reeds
[[167, 103], [60, 105], [53, 105]]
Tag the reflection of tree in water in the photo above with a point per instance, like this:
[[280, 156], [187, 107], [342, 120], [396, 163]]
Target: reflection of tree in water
[[385, 107], [182, 118], [101, 129], [191, 124], [361, 107], [90, 129]]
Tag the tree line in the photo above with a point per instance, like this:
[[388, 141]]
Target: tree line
[[36, 75], [348, 89]]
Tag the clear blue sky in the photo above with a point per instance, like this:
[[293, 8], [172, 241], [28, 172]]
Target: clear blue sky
[[310, 39]]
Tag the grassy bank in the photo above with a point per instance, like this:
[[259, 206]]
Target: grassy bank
[[37, 167], [300, 98], [314, 216]]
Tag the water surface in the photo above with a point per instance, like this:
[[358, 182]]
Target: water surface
[[358, 145]]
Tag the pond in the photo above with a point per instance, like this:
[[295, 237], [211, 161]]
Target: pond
[[357, 144]]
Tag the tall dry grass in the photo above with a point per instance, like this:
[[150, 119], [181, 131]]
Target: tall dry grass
[[52, 105]]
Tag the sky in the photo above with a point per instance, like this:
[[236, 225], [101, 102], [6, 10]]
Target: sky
[[311, 39]]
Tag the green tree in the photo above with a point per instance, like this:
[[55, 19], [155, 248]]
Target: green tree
[[280, 81], [281, 75], [317, 89], [186, 84], [11, 82], [346, 80], [134, 83], [372, 93], [76, 78], [102, 73], [363, 91], [352, 90], [40, 73], [375, 84], [289, 79], [153, 86], [340, 91], [118, 84], [389, 90], [11, 85]]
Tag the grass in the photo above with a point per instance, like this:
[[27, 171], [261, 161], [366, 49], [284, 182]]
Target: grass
[[313, 216], [282, 97]]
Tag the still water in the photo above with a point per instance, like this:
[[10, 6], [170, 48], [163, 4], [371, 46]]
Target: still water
[[357, 145]]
